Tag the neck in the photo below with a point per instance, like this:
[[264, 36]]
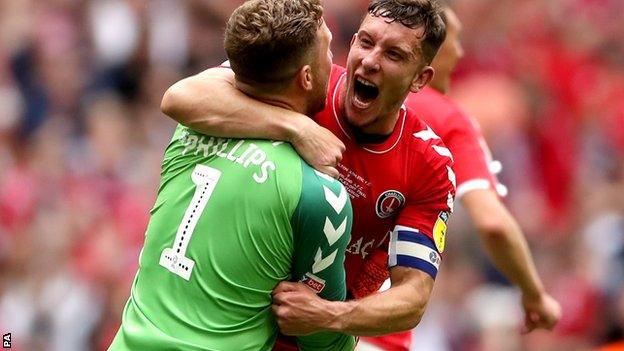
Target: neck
[[383, 125], [282, 99], [366, 138]]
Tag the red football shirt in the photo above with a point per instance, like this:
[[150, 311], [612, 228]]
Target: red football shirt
[[401, 188], [473, 162]]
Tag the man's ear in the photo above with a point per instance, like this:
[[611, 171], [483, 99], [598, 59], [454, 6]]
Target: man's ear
[[353, 39], [305, 78], [422, 79]]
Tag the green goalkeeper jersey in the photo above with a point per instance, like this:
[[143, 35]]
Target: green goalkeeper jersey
[[232, 219]]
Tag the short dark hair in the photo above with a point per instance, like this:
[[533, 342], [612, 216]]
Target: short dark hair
[[267, 41], [415, 14]]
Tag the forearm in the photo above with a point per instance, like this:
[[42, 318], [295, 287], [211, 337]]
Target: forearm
[[397, 309], [210, 103], [503, 240], [511, 255]]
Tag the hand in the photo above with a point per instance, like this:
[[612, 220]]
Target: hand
[[319, 147], [541, 312], [298, 309]]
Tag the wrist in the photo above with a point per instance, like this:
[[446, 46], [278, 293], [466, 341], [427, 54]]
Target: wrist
[[533, 294], [295, 127]]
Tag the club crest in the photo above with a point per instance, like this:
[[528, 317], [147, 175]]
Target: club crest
[[388, 203]]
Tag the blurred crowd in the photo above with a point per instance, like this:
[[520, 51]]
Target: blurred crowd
[[82, 136]]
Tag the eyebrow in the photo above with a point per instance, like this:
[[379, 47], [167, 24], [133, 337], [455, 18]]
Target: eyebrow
[[399, 48]]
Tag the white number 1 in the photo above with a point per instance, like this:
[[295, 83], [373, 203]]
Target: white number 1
[[173, 258]]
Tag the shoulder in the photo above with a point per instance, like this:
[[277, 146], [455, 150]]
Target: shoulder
[[322, 199], [320, 187], [430, 103], [438, 111], [424, 143]]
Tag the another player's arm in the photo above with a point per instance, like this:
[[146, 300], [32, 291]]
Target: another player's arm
[[322, 229], [498, 231], [509, 251], [210, 103]]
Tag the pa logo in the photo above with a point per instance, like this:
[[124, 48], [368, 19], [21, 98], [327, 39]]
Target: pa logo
[[6, 341]]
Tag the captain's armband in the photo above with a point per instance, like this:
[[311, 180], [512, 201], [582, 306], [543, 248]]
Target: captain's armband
[[411, 248]]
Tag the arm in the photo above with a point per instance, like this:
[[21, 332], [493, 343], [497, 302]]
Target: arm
[[506, 246], [210, 104], [414, 257], [321, 234], [502, 238], [396, 309]]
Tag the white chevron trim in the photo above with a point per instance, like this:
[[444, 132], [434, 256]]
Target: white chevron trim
[[451, 176], [333, 234], [427, 134], [321, 263], [443, 151], [336, 202], [450, 201], [324, 176]]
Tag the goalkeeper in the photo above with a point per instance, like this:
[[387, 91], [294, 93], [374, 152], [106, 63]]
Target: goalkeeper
[[234, 217]]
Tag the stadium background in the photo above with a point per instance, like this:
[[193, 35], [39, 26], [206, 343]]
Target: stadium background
[[81, 139]]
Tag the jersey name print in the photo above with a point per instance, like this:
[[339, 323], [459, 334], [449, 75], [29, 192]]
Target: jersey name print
[[241, 152]]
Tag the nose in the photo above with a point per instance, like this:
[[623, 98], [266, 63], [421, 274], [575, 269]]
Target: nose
[[370, 62]]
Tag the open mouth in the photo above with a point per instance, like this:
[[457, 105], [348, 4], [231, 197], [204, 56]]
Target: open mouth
[[365, 92]]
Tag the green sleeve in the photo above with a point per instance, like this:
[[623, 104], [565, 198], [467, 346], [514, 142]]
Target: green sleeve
[[322, 229]]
